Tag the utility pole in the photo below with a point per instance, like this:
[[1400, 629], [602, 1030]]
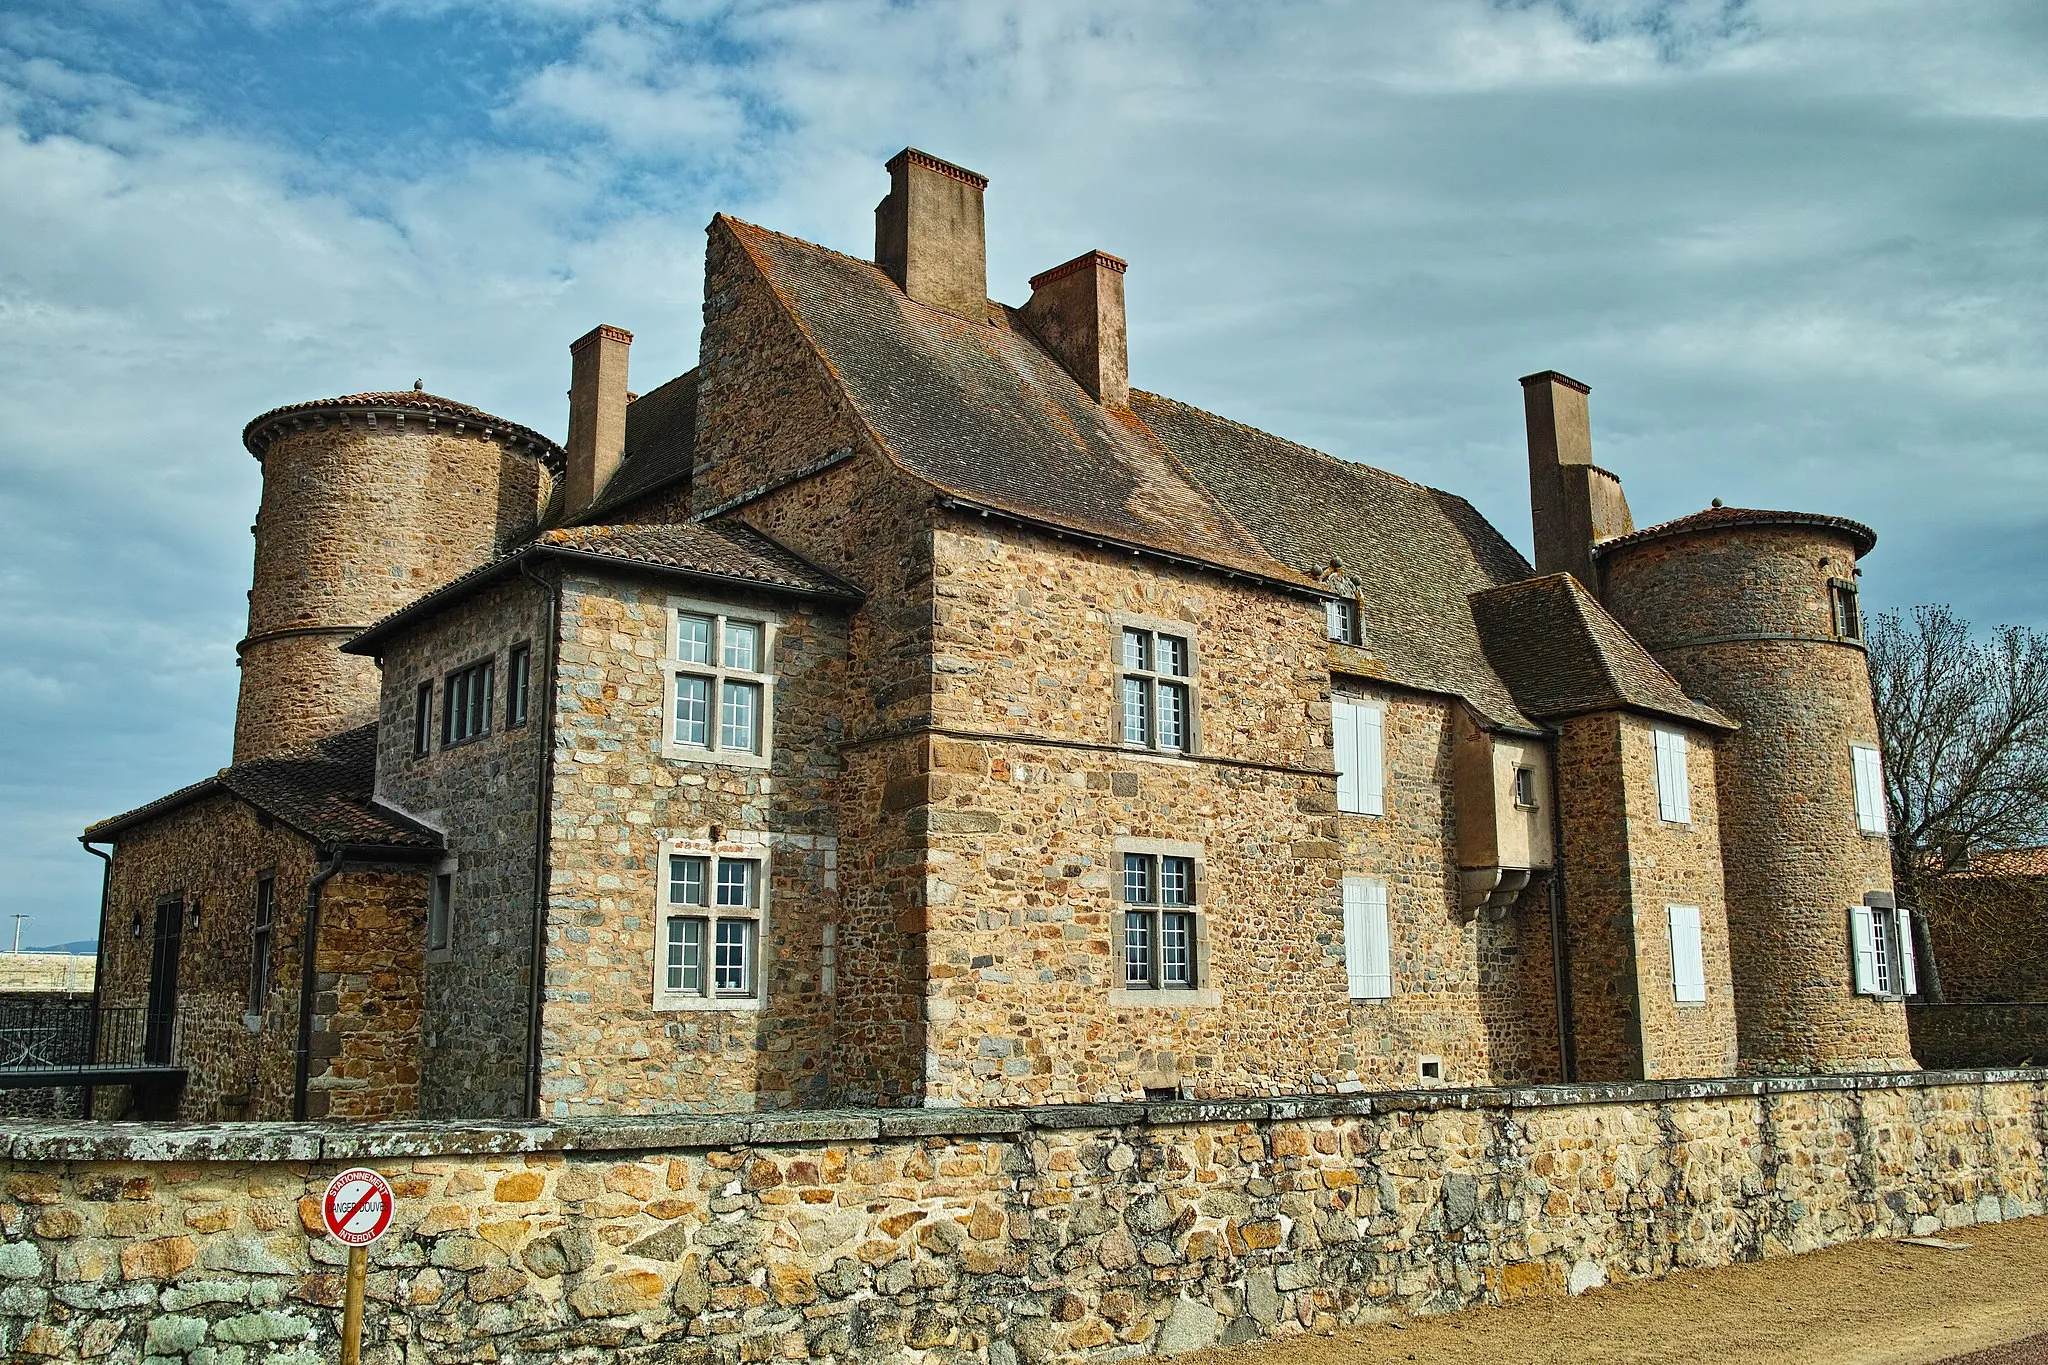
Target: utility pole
[[17, 930]]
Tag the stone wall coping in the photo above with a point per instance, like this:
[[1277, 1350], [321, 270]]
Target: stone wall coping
[[34, 1140]]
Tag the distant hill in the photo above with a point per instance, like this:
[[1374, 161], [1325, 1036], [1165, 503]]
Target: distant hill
[[84, 947]]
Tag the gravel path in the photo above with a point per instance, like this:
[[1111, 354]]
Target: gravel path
[[1868, 1303]]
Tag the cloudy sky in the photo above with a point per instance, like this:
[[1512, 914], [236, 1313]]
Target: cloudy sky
[[1799, 248]]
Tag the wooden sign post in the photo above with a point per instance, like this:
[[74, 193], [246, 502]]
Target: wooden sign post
[[357, 1211]]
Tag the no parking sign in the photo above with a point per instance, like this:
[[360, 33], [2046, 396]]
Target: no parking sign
[[357, 1207]]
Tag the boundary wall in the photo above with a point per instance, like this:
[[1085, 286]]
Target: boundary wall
[[998, 1237]]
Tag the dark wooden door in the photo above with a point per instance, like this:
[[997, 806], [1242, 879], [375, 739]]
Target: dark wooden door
[[162, 1014]]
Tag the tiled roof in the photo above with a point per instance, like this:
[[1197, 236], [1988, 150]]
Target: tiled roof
[[1414, 553], [324, 792], [2005, 862], [1726, 518], [258, 435], [978, 409], [661, 446], [1563, 655], [722, 550]]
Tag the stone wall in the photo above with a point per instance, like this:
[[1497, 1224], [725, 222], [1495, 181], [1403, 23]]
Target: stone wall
[[2005, 1034], [1990, 935], [1012, 1237]]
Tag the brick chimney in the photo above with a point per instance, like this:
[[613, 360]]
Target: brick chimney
[[597, 415], [929, 235], [1077, 311], [1573, 502]]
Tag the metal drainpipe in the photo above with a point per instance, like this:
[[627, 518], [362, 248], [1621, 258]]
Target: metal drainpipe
[[309, 948], [99, 963], [1560, 944], [544, 788]]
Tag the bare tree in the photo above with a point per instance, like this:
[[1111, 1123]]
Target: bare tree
[[1964, 726]]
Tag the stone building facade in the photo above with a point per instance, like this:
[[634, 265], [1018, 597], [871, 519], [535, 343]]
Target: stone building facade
[[900, 709]]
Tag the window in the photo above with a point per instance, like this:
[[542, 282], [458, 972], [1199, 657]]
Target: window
[[1867, 767], [441, 913], [721, 685], [1881, 949], [1159, 933], [710, 937], [423, 719], [1525, 788], [1674, 787], [1157, 701], [466, 709], [1341, 622], [518, 683], [1848, 616], [1688, 965], [1368, 948], [1361, 778], [262, 923]]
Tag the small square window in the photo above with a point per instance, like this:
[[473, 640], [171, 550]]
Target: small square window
[[686, 880], [732, 963], [1138, 649], [708, 945], [1341, 622], [735, 883], [722, 684], [742, 646], [1176, 881], [1137, 879], [693, 638]]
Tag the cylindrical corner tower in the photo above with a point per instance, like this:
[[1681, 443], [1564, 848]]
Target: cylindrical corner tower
[[369, 501], [1755, 612]]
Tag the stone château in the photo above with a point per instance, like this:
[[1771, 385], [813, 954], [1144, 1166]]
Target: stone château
[[899, 708]]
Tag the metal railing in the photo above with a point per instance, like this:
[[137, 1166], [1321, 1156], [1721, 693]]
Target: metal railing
[[59, 1035]]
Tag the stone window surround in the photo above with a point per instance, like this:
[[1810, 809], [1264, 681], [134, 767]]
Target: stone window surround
[[1204, 994], [770, 623], [751, 845], [1158, 625], [448, 868]]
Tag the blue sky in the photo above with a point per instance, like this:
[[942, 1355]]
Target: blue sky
[[1799, 248]]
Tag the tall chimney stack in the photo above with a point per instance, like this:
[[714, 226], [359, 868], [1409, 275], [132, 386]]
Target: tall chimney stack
[[597, 415], [1573, 502], [929, 235], [1077, 311]]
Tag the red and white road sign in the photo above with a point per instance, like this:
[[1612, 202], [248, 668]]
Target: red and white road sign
[[357, 1207]]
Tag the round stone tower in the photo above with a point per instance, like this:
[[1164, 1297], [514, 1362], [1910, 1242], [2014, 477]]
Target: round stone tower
[[1756, 613], [369, 501]]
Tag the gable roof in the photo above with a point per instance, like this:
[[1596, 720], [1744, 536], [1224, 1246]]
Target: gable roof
[[723, 551], [978, 409], [661, 447], [1563, 655], [324, 792]]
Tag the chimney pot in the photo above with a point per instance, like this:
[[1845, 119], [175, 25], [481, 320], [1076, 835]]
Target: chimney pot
[[930, 236], [1077, 312], [597, 415]]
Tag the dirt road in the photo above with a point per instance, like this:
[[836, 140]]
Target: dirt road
[[1868, 1303]]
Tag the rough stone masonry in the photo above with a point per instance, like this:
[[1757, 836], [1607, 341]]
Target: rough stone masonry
[[996, 1236]]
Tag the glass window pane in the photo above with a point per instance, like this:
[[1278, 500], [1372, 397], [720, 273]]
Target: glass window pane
[[1138, 878], [685, 881], [738, 716], [1176, 881], [693, 639], [1137, 649], [735, 882], [1173, 715], [1177, 950], [1173, 656], [742, 646], [1137, 711], [1138, 950], [693, 710], [684, 967], [731, 962]]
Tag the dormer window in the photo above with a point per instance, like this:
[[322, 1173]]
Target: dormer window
[[1341, 622]]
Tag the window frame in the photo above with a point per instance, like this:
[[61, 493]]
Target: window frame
[[1845, 609], [518, 684], [1369, 781], [1343, 621], [1892, 970], [262, 945], [484, 668], [423, 719], [1154, 681], [750, 850], [1157, 911], [1525, 777], [718, 676]]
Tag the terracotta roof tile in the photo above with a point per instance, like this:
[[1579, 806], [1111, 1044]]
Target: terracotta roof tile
[[1722, 518]]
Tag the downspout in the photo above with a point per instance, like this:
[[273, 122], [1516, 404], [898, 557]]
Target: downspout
[[99, 964], [1560, 943], [543, 819], [309, 948]]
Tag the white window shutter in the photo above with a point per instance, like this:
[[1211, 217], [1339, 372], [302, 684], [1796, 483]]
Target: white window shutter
[[1869, 774], [1372, 778], [1660, 744], [1863, 948], [1344, 724], [1681, 780], [1355, 936], [1688, 966], [1379, 948], [1910, 967]]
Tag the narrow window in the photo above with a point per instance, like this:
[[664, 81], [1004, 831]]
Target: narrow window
[[1173, 715], [441, 912], [1137, 711], [1525, 788], [518, 681], [693, 711], [1356, 729], [1880, 949], [1176, 949], [261, 926], [686, 881], [1688, 963], [1176, 881], [1138, 949], [423, 718], [1368, 946], [1155, 710], [738, 717], [685, 966], [742, 646], [1909, 965], [466, 708], [1867, 769], [1848, 616], [1674, 785], [1137, 879]]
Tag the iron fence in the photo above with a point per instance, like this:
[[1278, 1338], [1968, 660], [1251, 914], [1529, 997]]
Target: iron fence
[[60, 1035]]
